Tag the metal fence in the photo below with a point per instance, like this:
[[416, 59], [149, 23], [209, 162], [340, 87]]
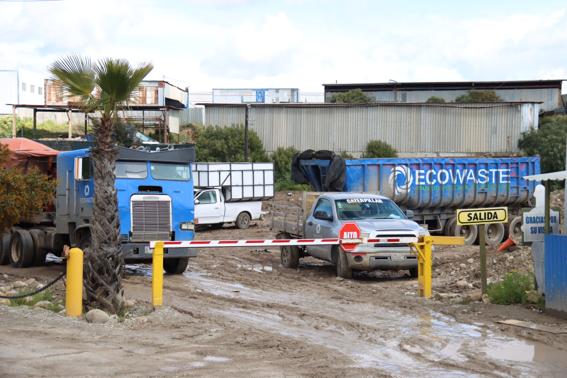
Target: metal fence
[[556, 273], [413, 129]]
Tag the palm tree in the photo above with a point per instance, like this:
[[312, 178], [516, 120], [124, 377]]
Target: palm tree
[[102, 88]]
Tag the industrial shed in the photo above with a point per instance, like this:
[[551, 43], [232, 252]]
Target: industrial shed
[[413, 129], [548, 92]]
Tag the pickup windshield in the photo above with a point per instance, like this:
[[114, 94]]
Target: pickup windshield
[[367, 208]]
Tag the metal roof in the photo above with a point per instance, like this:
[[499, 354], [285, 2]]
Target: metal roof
[[456, 85], [373, 104], [556, 176]]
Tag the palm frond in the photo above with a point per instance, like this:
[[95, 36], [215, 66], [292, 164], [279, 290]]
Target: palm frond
[[76, 75], [117, 79]]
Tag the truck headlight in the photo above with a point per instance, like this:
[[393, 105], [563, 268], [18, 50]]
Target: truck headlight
[[187, 226]]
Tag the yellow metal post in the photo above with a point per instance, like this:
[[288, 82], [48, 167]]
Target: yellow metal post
[[424, 266], [74, 294], [157, 275]]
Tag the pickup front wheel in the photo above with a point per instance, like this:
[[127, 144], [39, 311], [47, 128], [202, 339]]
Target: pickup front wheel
[[343, 270], [290, 256]]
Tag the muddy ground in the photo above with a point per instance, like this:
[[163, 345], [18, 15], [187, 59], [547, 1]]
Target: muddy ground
[[240, 313]]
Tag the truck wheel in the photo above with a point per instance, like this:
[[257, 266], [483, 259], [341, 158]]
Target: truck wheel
[[343, 270], [176, 265], [289, 256], [494, 233], [38, 252], [469, 232], [5, 248], [243, 220], [449, 228], [21, 249], [413, 272], [83, 238], [515, 230]]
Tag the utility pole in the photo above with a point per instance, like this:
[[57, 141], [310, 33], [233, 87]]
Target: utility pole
[[246, 122]]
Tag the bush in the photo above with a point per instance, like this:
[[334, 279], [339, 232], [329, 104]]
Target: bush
[[379, 149], [479, 96], [512, 289], [354, 96], [48, 129], [214, 143], [548, 142], [22, 196], [435, 100], [346, 155]]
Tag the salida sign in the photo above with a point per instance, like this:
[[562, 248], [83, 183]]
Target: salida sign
[[482, 216]]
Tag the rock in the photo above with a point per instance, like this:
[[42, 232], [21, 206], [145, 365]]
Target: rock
[[18, 284], [485, 298], [6, 288], [462, 284], [470, 261], [475, 296], [130, 302], [532, 296], [113, 318], [5, 276], [340, 279], [11, 293], [30, 282], [97, 316], [463, 265], [28, 299], [42, 304], [4, 301]]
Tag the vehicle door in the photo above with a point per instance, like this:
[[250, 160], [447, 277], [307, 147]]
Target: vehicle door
[[208, 207], [319, 224]]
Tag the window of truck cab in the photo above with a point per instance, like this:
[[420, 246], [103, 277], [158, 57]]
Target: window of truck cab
[[170, 171], [367, 208], [131, 169]]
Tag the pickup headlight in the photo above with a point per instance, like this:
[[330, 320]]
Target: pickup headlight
[[187, 226]]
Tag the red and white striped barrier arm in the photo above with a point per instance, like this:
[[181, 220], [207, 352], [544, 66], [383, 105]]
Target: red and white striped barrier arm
[[280, 242]]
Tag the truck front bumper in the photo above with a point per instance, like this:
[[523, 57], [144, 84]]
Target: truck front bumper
[[381, 260], [138, 252]]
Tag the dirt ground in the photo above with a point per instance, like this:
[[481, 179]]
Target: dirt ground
[[240, 313]]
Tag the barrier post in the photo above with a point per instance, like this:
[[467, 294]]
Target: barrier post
[[157, 275], [74, 293]]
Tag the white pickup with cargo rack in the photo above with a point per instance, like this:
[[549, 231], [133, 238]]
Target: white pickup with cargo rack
[[231, 192]]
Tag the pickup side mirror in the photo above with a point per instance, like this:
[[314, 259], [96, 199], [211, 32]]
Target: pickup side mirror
[[409, 214], [323, 215], [197, 202]]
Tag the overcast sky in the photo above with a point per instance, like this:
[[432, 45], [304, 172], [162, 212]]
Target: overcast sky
[[294, 43]]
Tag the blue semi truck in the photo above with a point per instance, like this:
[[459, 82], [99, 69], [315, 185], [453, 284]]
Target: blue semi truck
[[154, 190], [433, 188]]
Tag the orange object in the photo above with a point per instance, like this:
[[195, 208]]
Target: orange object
[[506, 245]]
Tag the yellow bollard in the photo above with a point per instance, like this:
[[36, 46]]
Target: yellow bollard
[[423, 248], [74, 294], [157, 275]]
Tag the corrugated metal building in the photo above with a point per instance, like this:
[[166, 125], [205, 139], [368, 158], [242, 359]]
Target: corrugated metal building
[[413, 129], [548, 92]]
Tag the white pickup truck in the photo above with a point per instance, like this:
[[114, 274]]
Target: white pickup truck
[[211, 208]]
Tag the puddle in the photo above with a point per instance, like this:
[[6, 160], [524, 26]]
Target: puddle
[[216, 359], [138, 270], [375, 336], [255, 267]]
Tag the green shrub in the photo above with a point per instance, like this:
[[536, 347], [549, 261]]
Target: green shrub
[[47, 129], [354, 96], [548, 142], [379, 149], [435, 100], [346, 155], [214, 143], [512, 289], [479, 96]]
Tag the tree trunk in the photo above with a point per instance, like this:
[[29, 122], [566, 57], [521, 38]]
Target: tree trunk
[[104, 261]]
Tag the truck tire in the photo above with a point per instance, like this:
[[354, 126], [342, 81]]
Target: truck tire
[[21, 249], [175, 266], [494, 233], [515, 230], [470, 233], [83, 238], [289, 256], [449, 228], [243, 220], [38, 252], [5, 248], [413, 272], [343, 270]]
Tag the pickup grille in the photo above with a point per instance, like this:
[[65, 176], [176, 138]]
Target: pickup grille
[[151, 218]]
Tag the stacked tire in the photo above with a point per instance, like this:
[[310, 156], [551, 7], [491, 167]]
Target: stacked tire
[[21, 248]]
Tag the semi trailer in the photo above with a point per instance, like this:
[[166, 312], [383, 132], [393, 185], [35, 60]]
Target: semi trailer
[[434, 188]]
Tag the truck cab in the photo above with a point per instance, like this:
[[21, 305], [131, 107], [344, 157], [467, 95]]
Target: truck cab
[[152, 190]]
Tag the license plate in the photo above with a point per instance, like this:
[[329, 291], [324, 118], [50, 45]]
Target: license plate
[[397, 257]]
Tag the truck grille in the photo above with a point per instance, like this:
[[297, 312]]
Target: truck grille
[[151, 218]]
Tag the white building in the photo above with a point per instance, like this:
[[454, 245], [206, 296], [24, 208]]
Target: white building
[[20, 87]]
